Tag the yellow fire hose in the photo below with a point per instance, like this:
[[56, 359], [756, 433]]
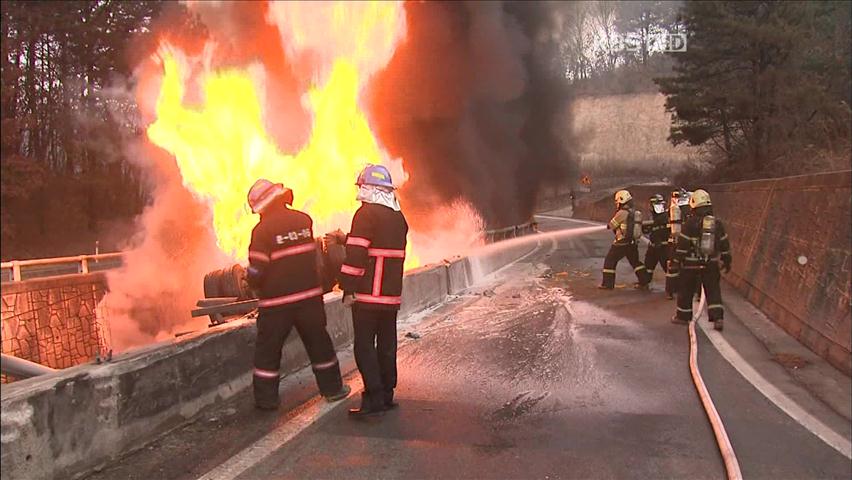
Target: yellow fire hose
[[732, 466]]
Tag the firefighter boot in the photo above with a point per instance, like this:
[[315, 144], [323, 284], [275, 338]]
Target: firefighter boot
[[340, 395], [679, 321], [718, 324], [370, 407], [389, 401], [266, 393]]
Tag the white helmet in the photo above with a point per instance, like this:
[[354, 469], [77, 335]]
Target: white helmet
[[699, 198], [622, 197], [264, 192]]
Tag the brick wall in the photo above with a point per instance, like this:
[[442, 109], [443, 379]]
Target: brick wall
[[52, 321], [772, 223]]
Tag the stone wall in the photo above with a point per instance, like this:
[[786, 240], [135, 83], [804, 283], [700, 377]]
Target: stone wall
[[790, 240], [791, 248], [52, 320]]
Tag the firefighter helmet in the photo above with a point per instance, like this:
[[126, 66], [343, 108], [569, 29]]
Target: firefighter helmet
[[376, 175], [622, 197], [657, 203], [699, 198], [263, 192]]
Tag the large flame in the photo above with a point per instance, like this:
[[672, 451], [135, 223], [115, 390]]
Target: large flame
[[222, 147]]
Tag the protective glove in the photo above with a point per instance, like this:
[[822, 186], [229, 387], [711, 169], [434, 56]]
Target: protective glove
[[348, 299], [335, 237]]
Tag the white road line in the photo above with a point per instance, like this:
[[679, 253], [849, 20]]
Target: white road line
[[776, 396], [300, 419]]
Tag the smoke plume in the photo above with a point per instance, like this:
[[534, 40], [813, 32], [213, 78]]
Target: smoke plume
[[474, 100]]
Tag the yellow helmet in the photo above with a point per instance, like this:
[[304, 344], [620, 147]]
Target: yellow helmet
[[622, 197], [699, 198]]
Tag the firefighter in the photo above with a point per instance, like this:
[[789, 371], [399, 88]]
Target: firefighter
[[626, 224], [657, 229], [283, 272], [701, 245], [678, 210], [371, 279]]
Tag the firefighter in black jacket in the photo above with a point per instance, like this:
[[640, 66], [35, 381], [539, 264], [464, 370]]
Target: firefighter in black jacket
[[701, 245], [283, 272], [626, 224], [372, 284], [657, 229]]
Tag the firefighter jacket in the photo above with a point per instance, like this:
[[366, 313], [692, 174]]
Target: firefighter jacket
[[657, 229], [283, 259], [375, 254], [687, 250], [627, 226]]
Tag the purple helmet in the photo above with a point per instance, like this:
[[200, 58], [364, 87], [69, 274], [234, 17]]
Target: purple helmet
[[376, 175]]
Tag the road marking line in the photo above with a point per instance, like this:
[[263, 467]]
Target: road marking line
[[300, 419], [732, 466], [776, 396]]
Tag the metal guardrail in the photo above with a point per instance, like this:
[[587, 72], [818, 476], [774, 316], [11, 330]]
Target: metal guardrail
[[21, 368], [510, 232], [18, 270]]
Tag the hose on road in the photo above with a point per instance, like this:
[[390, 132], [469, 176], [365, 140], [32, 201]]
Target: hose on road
[[732, 466]]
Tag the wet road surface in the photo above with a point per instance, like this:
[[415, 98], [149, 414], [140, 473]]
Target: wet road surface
[[535, 375]]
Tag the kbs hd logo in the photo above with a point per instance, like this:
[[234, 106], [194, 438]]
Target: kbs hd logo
[[656, 42]]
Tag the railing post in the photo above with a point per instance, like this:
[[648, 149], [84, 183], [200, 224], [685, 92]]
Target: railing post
[[16, 271], [84, 264]]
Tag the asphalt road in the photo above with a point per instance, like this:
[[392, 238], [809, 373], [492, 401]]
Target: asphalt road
[[536, 375]]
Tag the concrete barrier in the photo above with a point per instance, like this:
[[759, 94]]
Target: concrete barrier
[[459, 275], [65, 424], [422, 288]]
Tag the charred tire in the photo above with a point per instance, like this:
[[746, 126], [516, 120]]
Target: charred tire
[[227, 282]]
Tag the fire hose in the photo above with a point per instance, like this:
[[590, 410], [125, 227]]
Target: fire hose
[[732, 466]]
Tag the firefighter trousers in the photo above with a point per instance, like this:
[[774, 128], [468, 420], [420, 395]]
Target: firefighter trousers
[[657, 254], [618, 251], [693, 278], [273, 328], [375, 352], [673, 272]]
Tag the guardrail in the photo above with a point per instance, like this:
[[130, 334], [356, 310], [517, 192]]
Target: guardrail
[[18, 270], [509, 232]]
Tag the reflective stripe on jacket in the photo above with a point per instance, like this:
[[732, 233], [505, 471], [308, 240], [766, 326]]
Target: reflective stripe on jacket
[[283, 259], [375, 255]]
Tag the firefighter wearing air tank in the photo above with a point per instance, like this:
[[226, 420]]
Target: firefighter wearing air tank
[[626, 224], [283, 272], [657, 229], [702, 244], [372, 284], [678, 211]]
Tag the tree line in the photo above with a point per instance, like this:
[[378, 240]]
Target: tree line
[[765, 86]]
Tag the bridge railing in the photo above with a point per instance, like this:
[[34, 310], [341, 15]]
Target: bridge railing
[[17, 270]]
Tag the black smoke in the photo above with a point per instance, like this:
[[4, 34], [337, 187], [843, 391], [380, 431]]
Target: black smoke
[[475, 101]]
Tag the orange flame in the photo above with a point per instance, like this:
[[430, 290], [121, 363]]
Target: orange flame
[[222, 146]]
